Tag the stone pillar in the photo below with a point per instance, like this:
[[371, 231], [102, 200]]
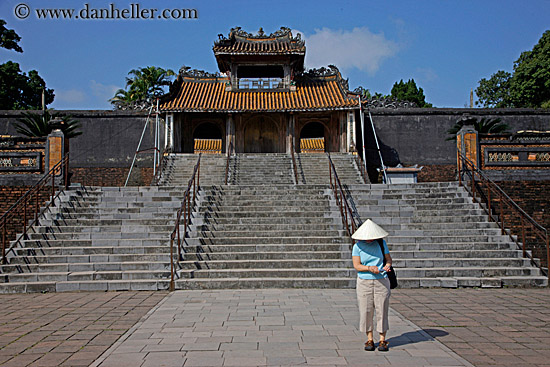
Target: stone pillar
[[343, 132], [351, 142], [169, 133], [56, 148], [290, 138], [229, 133], [467, 141]]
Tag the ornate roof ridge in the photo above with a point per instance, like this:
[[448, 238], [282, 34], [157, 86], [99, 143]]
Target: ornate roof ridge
[[321, 74], [237, 32]]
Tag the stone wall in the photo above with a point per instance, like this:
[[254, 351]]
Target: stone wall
[[418, 135], [534, 198], [409, 136], [9, 196], [104, 152]]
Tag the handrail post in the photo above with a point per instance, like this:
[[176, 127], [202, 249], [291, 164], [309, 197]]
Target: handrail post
[[548, 257], [523, 236], [501, 199], [489, 199], [178, 234], [36, 205], [25, 216], [4, 241], [53, 188], [172, 285]]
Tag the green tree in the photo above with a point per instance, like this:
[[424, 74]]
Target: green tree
[[484, 126], [8, 38], [527, 86], [42, 124], [530, 85], [21, 91], [409, 92], [495, 91], [143, 86]]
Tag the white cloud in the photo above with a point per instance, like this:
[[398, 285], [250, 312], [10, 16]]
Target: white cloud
[[426, 75], [358, 48], [103, 92], [71, 96]]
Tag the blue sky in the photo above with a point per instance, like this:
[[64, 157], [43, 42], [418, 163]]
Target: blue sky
[[447, 46]]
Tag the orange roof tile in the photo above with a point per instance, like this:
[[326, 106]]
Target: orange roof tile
[[210, 95]]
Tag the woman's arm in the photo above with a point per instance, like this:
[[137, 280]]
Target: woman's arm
[[388, 262], [360, 267]]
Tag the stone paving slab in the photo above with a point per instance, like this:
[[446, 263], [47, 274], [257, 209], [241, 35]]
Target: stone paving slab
[[487, 327], [67, 329], [268, 328]]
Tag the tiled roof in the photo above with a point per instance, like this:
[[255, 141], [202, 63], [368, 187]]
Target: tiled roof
[[243, 43], [210, 95]]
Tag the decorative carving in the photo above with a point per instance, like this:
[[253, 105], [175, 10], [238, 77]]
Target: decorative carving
[[238, 32], [195, 73], [387, 102], [331, 70]]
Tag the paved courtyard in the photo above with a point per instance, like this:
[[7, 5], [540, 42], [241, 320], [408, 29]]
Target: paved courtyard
[[429, 327]]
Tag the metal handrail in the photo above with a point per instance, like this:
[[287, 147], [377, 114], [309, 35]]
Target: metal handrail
[[294, 166], [346, 212], [360, 164], [27, 200], [229, 150], [162, 165], [186, 207], [476, 187]]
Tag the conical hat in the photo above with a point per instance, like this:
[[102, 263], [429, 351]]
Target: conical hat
[[369, 231]]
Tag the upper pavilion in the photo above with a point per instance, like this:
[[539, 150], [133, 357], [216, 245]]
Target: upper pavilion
[[261, 100]]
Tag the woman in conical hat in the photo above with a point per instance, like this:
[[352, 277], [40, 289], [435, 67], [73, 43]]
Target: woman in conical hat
[[373, 285]]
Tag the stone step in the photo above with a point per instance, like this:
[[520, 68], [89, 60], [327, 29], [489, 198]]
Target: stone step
[[255, 255], [267, 263], [91, 250], [261, 233], [260, 283], [107, 242], [86, 276], [304, 273], [85, 286], [79, 267], [474, 272], [263, 240], [477, 253], [478, 282], [451, 246], [88, 259]]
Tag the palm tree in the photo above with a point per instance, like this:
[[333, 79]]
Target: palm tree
[[143, 86], [484, 126], [42, 124]]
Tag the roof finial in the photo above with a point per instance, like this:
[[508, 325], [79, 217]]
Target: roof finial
[[261, 32]]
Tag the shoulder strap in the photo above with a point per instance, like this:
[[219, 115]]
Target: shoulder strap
[[381, 243]]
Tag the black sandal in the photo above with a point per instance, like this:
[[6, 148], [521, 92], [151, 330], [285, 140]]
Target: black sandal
[[369, 346], [383, 346]]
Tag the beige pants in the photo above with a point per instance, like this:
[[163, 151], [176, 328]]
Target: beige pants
[[373, 294]]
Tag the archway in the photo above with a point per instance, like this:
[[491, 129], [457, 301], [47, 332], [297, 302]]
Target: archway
[[312, 138], [261, 136], [207, 138]]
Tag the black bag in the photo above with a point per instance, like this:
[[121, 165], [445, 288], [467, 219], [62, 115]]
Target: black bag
[[391, 274]]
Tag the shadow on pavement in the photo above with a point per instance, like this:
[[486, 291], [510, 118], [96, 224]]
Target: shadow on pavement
[[412, 337]]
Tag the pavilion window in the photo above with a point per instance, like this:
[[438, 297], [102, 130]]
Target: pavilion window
[[259, 77]]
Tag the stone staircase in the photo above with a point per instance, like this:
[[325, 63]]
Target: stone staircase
[[313, 168], [440, 238], [261, 169], [266, 236], [97, 239], [261, 231], [179, 169]]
